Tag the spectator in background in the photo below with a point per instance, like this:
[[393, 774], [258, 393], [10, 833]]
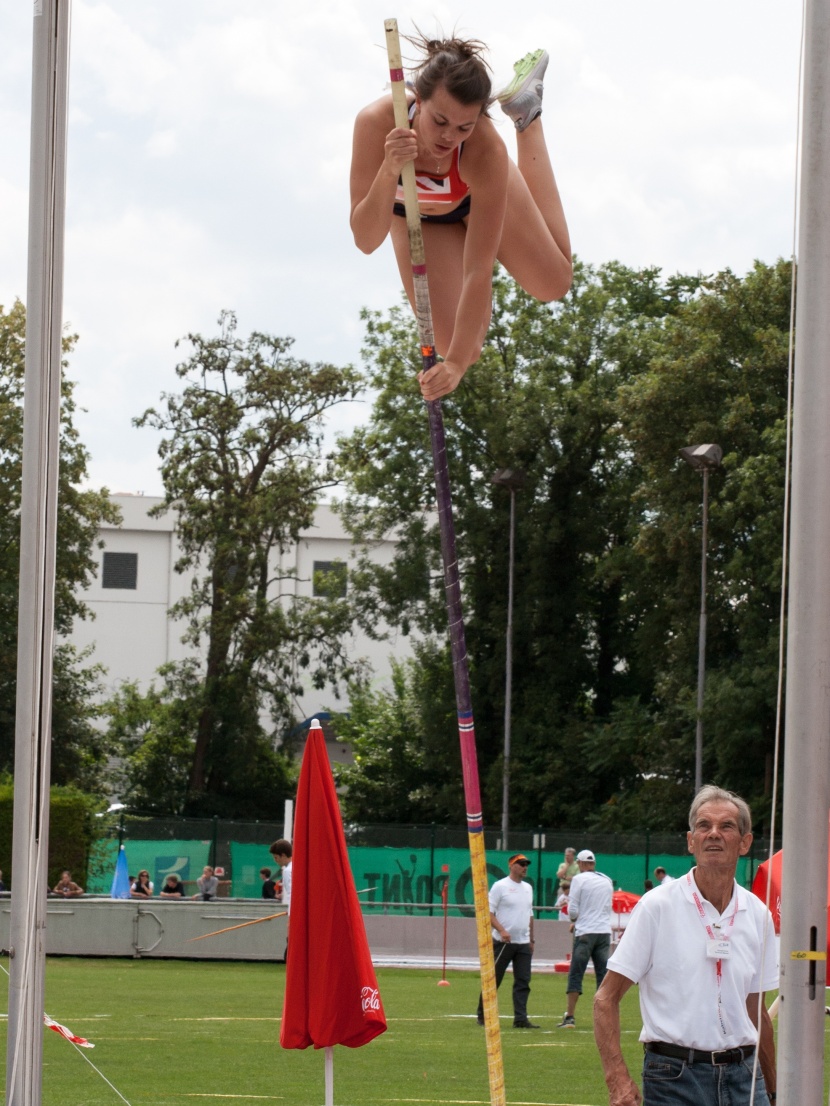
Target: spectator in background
[[648, 886], [511, 916], [208, 884], [589, 908], [142, 888], [269, 886], [66, 888], [282, 852], [173, 887], [561, 903], [568, 868], [662, 876]]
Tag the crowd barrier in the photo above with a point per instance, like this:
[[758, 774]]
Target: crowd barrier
[[160, 929]]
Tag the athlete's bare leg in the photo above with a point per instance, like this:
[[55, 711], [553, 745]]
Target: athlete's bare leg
[[444, 253], [535, 246], [535, 167]]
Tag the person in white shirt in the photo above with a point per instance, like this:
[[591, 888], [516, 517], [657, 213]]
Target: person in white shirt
[[702, 951], [589, 909], [511, 916], [561, 903], [282, 853], [662, 876]]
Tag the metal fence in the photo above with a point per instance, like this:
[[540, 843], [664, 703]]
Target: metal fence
[[220, 837]]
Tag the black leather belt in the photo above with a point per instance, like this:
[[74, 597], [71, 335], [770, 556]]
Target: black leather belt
[[695, 1056]]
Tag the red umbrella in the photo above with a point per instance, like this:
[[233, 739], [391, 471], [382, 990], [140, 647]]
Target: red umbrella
[[772, 870], [623, 902], [759, 885], [331, 992]]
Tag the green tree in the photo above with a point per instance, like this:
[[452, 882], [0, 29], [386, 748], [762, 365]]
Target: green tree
[[243, 469], [543, 399], [592, 398], [78, 748], [151, 731], [719, 375], [400, 773]]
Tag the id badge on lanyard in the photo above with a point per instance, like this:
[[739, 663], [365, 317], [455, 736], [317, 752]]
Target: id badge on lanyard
[[717, 949]]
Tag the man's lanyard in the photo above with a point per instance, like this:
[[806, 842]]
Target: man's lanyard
[[717, 947]]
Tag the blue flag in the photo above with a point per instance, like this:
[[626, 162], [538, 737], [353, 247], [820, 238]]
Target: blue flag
[[121, 879]]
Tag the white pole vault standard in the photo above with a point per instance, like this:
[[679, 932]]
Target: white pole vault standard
[[452, 587], [803, 969], [38, 521]]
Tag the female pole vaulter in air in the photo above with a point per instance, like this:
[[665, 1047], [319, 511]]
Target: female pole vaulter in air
[[476, 205]]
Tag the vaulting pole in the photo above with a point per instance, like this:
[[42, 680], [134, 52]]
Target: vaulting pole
[[38, 519], [801, 1018], [452, 587]]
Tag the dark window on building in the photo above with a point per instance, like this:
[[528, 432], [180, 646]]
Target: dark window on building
[[329, 579], [120, 570]]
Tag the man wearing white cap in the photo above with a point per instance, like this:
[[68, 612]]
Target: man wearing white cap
[[589, 909]]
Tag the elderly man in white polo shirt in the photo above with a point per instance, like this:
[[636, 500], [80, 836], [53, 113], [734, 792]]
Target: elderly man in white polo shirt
[[702, 950], [589, 909]]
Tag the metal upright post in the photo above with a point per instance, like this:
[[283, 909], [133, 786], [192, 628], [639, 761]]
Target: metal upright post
[[38, 522], [803, 949]]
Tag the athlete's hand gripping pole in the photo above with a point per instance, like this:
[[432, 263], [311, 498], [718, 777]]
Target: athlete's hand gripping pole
[[452, 587]]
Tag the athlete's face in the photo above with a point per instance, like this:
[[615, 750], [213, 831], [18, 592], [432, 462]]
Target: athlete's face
[[444, 123]]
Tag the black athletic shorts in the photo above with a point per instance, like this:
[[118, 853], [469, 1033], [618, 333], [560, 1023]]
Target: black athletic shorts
[[454, 216]]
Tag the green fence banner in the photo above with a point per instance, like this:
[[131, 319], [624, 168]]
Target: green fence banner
[[388, 880], [160, 858], [409, 881], [246, 861]]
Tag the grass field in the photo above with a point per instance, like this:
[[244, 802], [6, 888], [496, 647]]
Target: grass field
[[177, 1032]]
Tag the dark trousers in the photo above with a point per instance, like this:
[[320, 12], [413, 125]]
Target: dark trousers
[[520, 956], [589, 946], [671, 1082]]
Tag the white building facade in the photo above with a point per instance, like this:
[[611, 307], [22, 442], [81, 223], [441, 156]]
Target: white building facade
[[132, 633]]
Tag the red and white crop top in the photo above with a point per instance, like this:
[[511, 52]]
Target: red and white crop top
[[449, 190]]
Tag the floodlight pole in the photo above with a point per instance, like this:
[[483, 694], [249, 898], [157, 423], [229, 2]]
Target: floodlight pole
[[701, 639], [512, 479], [703, 458]]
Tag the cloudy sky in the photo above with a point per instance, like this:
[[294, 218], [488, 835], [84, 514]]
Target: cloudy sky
[[209, 149]]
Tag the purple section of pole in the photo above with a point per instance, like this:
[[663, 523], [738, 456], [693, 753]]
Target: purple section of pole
[[452, 586], [452, 590]]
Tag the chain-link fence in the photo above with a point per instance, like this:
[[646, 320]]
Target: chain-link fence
[[397, 868]]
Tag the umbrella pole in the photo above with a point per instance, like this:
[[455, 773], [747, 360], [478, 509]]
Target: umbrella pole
[[452, 587], [329, 1075]]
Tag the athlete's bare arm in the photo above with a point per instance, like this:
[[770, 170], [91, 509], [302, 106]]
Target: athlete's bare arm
[[379, 152]]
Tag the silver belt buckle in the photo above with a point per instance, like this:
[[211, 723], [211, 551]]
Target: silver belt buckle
[[725, 1056]]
